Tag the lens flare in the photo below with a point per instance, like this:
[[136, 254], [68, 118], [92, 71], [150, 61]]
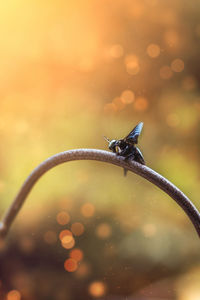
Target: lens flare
[[103, 230], [70, 265], [97, 289], [50, 237], [77, 228], [76, 254], [87, 210], [153, 50], [177, 65], [63, 233], [13, 295], [127, 96], [63, 218]]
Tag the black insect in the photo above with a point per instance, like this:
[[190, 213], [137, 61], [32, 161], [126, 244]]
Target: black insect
[[126, 146]]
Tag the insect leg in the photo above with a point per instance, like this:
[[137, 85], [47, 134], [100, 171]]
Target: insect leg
[[125, 172], [128, 157]]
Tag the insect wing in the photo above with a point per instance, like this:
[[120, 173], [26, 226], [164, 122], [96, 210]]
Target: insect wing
[[139, 157], [132, 137]]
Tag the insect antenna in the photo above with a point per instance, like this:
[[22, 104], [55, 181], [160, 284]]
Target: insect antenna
[[105, 138]]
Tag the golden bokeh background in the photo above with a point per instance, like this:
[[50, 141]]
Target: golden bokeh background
[[70, 73]]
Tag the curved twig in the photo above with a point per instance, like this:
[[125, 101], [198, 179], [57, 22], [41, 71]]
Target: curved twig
[[105, 156]]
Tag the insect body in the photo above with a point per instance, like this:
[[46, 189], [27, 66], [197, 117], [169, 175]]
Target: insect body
[[126, 146]]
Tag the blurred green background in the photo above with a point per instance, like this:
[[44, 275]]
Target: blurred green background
[[72, 72]]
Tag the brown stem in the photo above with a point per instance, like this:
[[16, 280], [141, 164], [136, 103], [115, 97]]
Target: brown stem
[[105, 156]]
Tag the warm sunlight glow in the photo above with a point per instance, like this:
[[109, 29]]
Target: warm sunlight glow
[[72, 73]]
